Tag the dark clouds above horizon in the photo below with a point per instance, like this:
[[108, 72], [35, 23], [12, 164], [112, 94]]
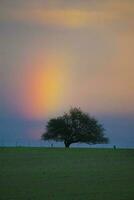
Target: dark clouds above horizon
[[119, 129]]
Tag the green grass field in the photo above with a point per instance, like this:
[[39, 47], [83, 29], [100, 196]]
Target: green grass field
[[66, 174]]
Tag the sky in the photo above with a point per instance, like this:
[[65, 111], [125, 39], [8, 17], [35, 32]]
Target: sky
[[59, 54]]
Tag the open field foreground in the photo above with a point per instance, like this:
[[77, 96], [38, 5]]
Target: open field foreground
[[66, 174]]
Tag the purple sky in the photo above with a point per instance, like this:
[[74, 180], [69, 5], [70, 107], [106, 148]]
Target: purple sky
[[57, 54]]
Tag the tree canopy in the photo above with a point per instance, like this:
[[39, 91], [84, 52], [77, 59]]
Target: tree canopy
[[73, 127]]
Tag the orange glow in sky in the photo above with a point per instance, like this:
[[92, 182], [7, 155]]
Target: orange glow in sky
[[42, 88]]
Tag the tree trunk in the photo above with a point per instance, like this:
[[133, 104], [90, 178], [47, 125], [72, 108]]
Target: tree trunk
[[67, 144]]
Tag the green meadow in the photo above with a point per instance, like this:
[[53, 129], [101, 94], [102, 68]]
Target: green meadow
[[66, 174]]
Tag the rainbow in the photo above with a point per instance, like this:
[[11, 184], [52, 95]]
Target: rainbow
[[42, 87]]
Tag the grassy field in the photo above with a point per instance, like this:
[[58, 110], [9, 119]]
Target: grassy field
[[66, 174]]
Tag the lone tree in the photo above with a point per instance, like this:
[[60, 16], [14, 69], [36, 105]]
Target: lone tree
[[73, 127]]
